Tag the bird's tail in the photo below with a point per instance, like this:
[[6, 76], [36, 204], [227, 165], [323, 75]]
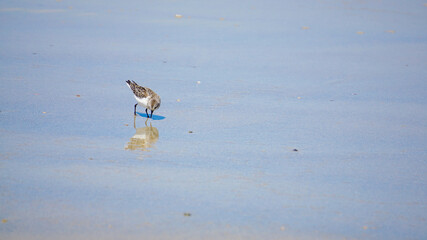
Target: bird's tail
[[131, 84]]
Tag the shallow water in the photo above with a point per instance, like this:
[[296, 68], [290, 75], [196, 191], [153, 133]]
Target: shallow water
[[278, 120]]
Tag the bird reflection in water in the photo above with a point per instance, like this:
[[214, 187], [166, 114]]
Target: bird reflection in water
[[144, 138]]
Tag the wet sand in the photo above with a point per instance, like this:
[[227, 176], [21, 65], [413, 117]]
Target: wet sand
[[278, 120]]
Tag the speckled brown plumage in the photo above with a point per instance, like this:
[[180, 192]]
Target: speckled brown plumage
[[145, 97]]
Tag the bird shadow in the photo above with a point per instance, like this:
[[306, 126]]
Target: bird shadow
[[155, 117]]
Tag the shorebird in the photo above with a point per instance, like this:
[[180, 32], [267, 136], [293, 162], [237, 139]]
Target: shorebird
[[144, 97]]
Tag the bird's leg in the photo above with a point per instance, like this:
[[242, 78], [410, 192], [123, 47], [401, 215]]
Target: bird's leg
[[134, 109], [151, 114], [146, 111]]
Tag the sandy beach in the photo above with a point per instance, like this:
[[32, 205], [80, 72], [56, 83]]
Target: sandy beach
[[279, 120]]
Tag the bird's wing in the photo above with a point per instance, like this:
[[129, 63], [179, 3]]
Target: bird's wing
[[139, 91]]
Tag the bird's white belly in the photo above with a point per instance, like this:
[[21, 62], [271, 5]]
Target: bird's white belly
[[142, 101]]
